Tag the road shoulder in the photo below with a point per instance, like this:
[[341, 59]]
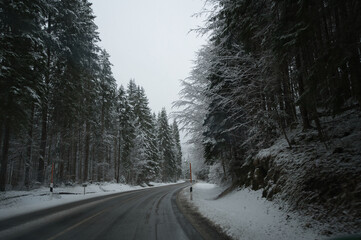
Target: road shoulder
[[204, 226]]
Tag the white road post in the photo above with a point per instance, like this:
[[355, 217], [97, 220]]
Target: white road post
[[84, 185], [51, 190]]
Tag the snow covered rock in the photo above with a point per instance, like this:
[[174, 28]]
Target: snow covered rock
[[321, 179]]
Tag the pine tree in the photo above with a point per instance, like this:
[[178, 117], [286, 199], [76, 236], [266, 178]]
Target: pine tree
[[177, 149], [143, 163], [165, 144], [121, 108], [126, 134], [128, 131], [104, 140], [153, 152], [146, 127]]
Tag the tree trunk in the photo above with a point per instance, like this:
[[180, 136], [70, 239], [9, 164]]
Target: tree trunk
[[109, 162], [80, 157], [74, 157], [4, 159], [93, 163], [303, 109], [288, 101], [86, 149], [44, 117], [17, 171], [119, 158], [1, 134], [223, 166], [283, 129], [62, 159], [355, 74], [40, 177], [49, 160], [29, 150], [68, 163], [115, 157]]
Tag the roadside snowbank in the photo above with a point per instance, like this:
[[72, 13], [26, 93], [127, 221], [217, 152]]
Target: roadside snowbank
[[19, 202], [244, 214]]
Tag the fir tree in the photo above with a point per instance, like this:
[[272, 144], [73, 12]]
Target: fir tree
[[177, 149], [165, 144]]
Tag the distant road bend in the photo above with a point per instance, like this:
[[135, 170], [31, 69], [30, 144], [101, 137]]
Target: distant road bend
[[145, 214]]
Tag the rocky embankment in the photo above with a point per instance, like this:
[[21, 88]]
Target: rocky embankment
[[320, 179]]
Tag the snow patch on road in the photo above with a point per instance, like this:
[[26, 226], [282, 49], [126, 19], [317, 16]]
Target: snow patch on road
[[244, 214]]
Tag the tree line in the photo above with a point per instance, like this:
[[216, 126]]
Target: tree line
[[268, 67], [59, 104]]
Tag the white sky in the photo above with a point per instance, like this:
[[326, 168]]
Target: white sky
[[149, 40]]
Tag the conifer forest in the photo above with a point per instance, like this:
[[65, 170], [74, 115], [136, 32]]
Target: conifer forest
[[60, 105], [268, 67]]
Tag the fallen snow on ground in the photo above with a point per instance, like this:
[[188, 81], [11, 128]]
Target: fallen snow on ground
[[13, 203], [244, 214]]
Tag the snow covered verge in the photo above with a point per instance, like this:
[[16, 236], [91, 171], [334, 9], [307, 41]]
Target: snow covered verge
[[19, 202], [318, 179], [244, 214]]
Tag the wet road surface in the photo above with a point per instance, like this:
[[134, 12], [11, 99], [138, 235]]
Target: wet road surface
[[145, 214]]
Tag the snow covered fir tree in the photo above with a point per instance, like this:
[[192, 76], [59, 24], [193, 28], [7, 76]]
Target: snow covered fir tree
[[60, 104]]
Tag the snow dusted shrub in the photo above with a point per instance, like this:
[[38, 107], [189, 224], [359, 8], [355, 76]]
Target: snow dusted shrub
[[215, 174], [203, 174]]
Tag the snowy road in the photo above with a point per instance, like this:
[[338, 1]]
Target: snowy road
[[144, 214]]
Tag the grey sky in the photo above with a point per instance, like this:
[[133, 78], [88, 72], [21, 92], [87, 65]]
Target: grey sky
[[148, 40]]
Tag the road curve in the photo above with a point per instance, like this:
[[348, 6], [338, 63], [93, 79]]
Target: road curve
[[145, 214]]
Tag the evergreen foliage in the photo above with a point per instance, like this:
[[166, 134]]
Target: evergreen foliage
[[165, 148], [177, 149], [268, 67]]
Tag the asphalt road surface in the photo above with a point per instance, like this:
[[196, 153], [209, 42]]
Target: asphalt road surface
[[145, 214]]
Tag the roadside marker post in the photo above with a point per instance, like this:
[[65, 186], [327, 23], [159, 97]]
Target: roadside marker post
[[84, 185]]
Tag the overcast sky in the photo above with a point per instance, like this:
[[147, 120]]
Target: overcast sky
[[149, 40]]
